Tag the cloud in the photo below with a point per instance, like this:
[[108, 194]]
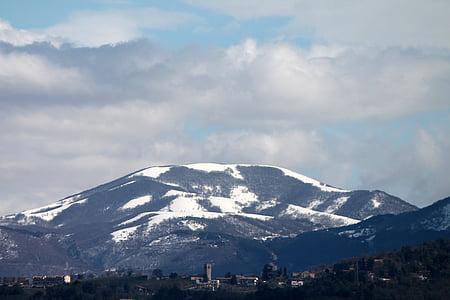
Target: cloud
[[96, 28], [280, 83], [375, 23], [284, 148], [20, 37], [24, 73], [102, 112], [250, 9], [422, 165]]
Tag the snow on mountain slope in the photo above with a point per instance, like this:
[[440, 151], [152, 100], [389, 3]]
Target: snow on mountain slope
[[48, 213], [137, 202], [322, 186], [226, 188], [337, 204], [139, 218], [123, 234], [232, 169], [212, 167], [296, 212], [149, 221], [153, 172]]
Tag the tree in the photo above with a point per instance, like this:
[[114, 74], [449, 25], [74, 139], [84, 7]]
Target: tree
[[158, 273]]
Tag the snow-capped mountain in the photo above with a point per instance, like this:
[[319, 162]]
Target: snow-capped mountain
[[172, 216]]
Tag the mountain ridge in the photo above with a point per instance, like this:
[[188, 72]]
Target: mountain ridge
[[220, 212]]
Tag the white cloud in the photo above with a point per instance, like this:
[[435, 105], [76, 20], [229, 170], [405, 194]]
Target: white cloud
[[96, 28], [20, 37], [380, 23], [284, 148], [279, 81], [22, 73]]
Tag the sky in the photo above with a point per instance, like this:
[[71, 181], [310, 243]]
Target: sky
[[355, 93]]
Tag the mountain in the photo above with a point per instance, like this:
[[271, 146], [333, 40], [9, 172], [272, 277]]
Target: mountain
[[177, 217], [375, 235]]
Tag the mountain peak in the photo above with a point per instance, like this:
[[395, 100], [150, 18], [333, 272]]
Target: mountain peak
[[233, 170]]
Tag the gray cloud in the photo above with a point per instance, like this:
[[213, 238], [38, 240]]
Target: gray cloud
[[102, 112]]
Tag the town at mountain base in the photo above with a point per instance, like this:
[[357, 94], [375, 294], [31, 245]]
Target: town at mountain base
[[411, 273]]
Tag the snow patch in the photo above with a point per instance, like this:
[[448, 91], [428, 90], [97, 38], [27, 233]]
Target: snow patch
[[314, 182], [213, 167], [375, 203], [337, 204], [122, 185], [153, 172], [173, 240], [225, 204], [161, 216], [48, 213], [358, 233], [184, 202], [123, 234], [267, 204], [255, 216], [313, 204], [192, 225], [242, 195], [137, 202], [298, 212]]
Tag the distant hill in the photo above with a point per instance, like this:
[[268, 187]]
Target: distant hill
[[380, 233]]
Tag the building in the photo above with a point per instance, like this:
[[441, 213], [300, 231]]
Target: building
[[47, 281], [304, 275], [67, 279], [211, 285], [208, 272], [296, 283], [247, 280], [15, 281], [226, 280], [197, 278]]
